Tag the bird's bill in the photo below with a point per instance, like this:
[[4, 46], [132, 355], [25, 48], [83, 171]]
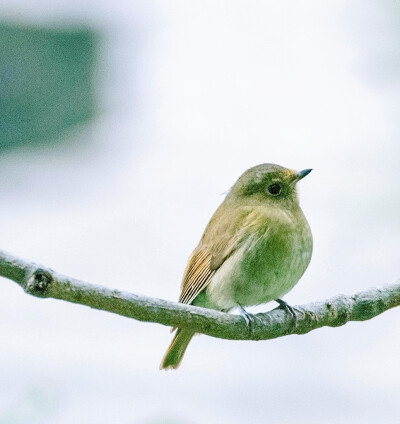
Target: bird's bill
[[301, 174]]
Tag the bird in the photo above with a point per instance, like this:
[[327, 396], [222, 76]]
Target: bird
[[254, 250]]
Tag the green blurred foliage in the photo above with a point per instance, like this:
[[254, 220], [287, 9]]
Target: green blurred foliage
[[46, 82]]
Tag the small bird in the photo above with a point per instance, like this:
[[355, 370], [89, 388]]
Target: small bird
[[254, 250]]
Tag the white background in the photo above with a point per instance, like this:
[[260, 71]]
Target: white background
[[191, 94]]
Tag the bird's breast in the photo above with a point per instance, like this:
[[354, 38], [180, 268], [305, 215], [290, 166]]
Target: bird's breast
[[270, 261]]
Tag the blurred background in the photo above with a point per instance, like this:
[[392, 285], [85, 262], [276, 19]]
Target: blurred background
[[122, 125]]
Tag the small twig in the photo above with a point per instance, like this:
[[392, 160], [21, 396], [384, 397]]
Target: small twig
[[43, 282]]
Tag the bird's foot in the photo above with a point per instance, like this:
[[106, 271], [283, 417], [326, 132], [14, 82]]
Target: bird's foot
[[286, 307], [249, 318]]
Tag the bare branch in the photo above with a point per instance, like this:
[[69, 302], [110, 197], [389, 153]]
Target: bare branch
[[43, 282]]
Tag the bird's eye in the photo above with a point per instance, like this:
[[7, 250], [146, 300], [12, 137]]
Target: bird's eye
[[274, 189]]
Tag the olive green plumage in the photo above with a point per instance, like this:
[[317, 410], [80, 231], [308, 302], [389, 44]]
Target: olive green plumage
[[255, 248]]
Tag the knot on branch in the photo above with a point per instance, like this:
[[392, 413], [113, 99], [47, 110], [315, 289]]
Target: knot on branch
[[39, 282]]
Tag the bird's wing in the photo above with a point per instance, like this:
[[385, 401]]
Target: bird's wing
[[198, 274], [221, 238]]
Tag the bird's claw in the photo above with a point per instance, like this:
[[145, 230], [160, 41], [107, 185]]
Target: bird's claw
[[249, 319], [285, 306]]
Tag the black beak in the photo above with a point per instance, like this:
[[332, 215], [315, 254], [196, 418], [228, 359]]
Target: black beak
[[302, 174]]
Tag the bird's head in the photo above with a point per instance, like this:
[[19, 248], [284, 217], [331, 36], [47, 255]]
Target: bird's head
[[268, 183]]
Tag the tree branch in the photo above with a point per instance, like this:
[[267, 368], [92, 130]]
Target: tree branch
[[43, 282]]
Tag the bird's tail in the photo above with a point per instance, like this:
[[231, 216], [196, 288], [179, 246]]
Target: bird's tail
[[174, 354]]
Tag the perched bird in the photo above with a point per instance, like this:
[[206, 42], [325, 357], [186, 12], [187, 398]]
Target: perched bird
[[255, 248]]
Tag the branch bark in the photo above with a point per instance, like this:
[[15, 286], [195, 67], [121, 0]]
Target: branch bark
[[45, 283]]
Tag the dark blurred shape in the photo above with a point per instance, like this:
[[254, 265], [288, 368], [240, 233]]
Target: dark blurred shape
[[46, 82]]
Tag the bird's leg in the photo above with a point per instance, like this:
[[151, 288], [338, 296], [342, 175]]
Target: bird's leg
[[249, 318], [285, 306]]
